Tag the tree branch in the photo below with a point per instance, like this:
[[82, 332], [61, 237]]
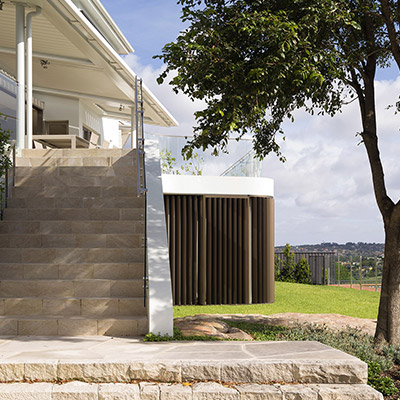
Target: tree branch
[[394, 44]]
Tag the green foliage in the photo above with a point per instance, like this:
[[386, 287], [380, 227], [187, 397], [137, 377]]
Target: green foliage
[[383, 384], [288, 266], [152, 337], [286, 270], [5, 161], [255, 62], [351, 341], [277, 265], [344, 272], [302, 273], [192, 166]]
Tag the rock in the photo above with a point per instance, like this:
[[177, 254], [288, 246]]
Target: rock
[[213, 324]]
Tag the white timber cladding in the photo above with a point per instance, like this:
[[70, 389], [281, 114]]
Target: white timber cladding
[[217, 185], [91, 120]]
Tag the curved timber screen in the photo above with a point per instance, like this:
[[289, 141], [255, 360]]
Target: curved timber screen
[[221, 248]]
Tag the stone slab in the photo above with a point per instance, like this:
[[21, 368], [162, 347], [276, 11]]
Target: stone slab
[[107, 359], [198, 391]]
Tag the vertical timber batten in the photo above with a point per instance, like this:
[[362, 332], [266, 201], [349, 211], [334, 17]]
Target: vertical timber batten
[[221, 248]]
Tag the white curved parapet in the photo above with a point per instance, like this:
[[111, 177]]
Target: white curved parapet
[[217, 185]]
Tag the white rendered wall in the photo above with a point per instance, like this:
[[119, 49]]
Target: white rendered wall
[[61, 109], [217, 185], [111, 131], [160, 289]]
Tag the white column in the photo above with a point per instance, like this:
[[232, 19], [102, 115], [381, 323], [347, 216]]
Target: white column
[[20, 36], [29, 76], [133, 119]]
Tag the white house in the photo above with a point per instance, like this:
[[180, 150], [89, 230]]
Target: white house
[[65, 59]]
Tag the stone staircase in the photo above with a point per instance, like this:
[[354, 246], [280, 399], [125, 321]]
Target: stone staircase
[[71, 246], [122, 369]]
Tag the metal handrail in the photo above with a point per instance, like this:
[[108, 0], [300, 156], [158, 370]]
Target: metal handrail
[[141, 171], [9, 179]]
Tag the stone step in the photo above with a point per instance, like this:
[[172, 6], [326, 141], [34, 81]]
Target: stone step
[[191, 362], [64, 288], [71, 240], [72, 153], [76, 161], [112, 171], [205, 391], [73, 326], [76, 202], [77, 227], [71, 255], [83, 306], [74, 191], [113, 271], [76, 181], [73, 214]]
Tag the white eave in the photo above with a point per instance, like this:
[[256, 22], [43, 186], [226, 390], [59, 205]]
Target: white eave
[[103, 21], [82, 61]]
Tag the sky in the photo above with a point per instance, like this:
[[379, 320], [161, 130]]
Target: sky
[[323, 192]]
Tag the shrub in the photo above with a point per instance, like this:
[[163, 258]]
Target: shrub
[[351, 341], [286, 270], [302, 273], [5, 161], [287, 265]]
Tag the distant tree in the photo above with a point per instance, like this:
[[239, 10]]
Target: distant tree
[[277, 268], [254, 62], [302, 272], [288, 265], [344, 272]]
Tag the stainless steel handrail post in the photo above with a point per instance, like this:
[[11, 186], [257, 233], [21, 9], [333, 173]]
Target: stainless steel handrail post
[[141, 171]]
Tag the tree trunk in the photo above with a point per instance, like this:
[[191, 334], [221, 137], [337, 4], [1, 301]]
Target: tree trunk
[[388, 327]]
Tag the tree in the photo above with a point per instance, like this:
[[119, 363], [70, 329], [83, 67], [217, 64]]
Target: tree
[[254, 62], [302, 273], [288, 266]]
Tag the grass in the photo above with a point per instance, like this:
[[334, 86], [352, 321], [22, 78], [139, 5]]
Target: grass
[[294, 297]]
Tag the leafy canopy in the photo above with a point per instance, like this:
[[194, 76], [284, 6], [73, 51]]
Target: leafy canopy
[[255, 62]]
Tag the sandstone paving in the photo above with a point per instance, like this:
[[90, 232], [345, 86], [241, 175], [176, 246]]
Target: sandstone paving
[[107, 359], [198, 391]]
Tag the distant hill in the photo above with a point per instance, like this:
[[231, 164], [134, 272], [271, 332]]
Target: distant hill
[[347, 249]]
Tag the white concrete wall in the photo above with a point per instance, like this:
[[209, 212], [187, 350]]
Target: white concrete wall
[[217, 185], [61, 109], [111, 131], [160, 289]]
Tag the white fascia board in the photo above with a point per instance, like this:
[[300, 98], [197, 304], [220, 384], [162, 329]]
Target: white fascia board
[[152, 101], [217, 185], [117, 32], [99, 16]]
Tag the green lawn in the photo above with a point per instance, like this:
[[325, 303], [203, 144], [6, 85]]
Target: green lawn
[[293, 297]]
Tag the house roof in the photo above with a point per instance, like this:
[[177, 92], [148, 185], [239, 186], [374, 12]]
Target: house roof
[[82, 47]]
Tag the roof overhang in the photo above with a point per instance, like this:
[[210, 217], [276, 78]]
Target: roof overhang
[[74, 58]]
